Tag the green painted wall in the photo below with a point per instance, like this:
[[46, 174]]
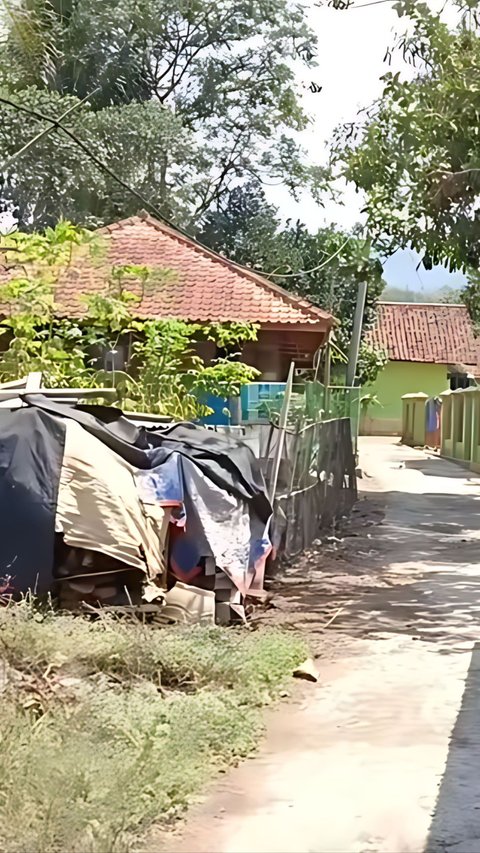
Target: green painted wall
[[395, 380]]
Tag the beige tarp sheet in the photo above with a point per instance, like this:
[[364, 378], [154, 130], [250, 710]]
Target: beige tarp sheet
[[99, 508]]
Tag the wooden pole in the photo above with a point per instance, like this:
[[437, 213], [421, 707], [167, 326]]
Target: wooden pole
[[326, 377], [282, 425]]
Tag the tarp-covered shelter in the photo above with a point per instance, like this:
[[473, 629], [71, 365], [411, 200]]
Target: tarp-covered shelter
[[96, 509]]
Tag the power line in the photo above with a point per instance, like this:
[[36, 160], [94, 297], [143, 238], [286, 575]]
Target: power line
[[308, 272], [55, 124], [44, 132]]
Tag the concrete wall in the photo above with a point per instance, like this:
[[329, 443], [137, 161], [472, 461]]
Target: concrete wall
[[475, 434], [395, 380], [413, 419], [461, 426]]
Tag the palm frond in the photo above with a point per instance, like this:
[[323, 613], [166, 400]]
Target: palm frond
[[30, 27]]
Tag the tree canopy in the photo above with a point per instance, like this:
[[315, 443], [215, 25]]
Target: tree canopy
[[188, 99], [195, 106], [447, 294], [416, 150]]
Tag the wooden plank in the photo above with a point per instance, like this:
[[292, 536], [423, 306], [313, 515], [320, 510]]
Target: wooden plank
[[34, 382]]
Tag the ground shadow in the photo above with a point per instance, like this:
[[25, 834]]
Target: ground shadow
[[456, 820], [432, 466], [417, 572]]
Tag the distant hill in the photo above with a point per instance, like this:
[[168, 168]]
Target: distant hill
[[443, 294]]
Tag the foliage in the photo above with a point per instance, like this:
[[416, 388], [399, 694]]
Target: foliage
[[416, 152], [230, 335], [38, 339], [164, 375], [172, 378], [124, 721], [192, 97], [325, 267], [245, 228], [54, 178], [472, 299], [371, 360], [53, 248], [367, 400], [452, 295]]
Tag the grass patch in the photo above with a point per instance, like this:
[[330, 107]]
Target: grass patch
[[108, 726]]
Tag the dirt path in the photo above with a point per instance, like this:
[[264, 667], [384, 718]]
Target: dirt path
[[384, 753]]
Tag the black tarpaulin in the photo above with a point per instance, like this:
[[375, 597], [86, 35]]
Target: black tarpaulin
[[226, 461], [32, 441], [31, 453]]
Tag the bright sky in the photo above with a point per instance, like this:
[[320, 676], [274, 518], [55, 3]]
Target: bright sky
[[352, 46]]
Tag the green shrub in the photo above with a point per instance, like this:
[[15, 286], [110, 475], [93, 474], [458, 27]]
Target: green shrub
[[147, 717]]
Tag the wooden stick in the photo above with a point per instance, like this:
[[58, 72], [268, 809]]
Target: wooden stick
[[332, 618]]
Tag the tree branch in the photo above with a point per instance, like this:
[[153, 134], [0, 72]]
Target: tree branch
[[218, 191]]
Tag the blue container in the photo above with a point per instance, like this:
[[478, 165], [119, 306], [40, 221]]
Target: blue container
[[259, 398]]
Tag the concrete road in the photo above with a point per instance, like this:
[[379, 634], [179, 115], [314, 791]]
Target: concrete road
[[384, 753]]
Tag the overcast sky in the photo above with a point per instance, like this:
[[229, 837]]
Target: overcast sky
[[352, 46]]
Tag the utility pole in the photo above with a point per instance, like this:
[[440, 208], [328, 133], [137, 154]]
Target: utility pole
[[356, 334]]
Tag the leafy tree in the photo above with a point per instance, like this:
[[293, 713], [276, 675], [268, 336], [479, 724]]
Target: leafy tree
[[449, 295], [404, 294], [193, 98], [55, 178], [325, 267], [416, 152], [245, 228]]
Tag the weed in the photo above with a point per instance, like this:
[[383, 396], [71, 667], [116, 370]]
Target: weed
[[153, 714]]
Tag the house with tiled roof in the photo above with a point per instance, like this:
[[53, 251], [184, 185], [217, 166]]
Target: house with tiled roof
[[430, 347], [198, 285]]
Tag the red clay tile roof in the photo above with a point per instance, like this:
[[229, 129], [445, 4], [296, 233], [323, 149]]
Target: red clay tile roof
[[201, 287], [442, 334]]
